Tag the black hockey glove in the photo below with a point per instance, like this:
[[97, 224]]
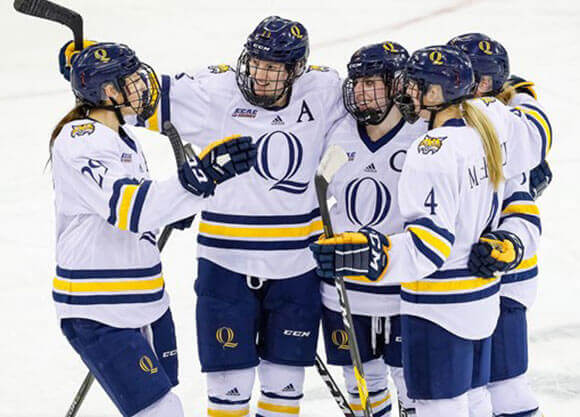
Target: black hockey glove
[[522, 86], [361, 253], [194, 179], [496, 252], [228, 157], [540, 178]]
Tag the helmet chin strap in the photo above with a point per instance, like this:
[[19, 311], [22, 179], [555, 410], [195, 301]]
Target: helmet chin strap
[[117, 109]]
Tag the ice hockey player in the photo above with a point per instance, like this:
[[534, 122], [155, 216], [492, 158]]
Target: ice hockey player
[[376, 139], [449, 194], [258, 297], [109, 286], [510, 391]]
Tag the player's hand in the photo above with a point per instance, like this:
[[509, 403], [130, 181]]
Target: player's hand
[[522, 86], [66, 55], [495, 253], [194, 179], [361, 253], [228, 157], [540, 178]]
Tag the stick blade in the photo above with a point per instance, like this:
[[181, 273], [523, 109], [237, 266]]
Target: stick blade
[[333, 159]]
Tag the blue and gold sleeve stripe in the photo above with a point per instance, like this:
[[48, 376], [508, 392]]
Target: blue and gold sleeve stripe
[[126, 203], [526, 270], [432, 241], [521, 205]]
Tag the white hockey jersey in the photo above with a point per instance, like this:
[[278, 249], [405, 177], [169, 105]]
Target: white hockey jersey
[[260, 223], [107, 215], [366, 194], [448, 201]]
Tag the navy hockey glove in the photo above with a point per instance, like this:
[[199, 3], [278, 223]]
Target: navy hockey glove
[[66, 55], [496, 252], [522, 86], [183, 223], [361, 253], [540, 178], [194, 179], [223, 159]]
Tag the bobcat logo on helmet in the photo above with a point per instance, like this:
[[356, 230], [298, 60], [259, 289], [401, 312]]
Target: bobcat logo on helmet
[[219, 69], [80, 130], [430, 144]]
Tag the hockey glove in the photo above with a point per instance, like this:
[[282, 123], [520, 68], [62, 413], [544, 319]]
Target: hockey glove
[[522, 86], [228, 157], [540, 178], [361, 253], [194, 179], [496, 252], [66, 55]]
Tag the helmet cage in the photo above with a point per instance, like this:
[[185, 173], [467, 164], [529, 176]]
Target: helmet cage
[[375, 110]]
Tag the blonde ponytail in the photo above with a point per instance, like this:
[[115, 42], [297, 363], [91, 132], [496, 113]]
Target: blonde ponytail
[[476, 119]]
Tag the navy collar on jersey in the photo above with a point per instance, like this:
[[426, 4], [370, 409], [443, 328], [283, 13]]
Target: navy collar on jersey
[[454, 123], [125, 138], [376, 145]]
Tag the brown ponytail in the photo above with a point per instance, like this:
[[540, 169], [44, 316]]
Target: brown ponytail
[[79, 112], [476, 119]]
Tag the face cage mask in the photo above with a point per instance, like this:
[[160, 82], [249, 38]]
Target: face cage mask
[[405, 104], [145, 104], [367, 116], [246, 83]]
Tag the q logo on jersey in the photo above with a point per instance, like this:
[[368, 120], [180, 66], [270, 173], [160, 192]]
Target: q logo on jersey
[[146, 365], [382, 199], [271, 163], [430, 144], [340, 339], [225, 337]]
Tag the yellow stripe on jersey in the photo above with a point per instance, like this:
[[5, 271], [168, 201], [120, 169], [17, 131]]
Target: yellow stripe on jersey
[[448, 286], [212, 412], [126, 199], [287, 409], [261, 232], [79, 286], [528, 263], [433, 240], [522, 208], [359, 407]]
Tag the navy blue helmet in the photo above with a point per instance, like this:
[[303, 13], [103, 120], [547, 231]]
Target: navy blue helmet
[[366, 100], [116, 64], [274, 40], [443, 65], [487, 56]]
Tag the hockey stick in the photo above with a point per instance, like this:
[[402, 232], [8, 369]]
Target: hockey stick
[[333, 387], [179, 151], [331, 162], [45, 9]]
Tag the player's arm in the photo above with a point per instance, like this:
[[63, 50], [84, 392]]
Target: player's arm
[[428, 198], [514, 243], [94, 168]]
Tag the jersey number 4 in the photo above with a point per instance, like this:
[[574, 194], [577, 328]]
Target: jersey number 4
[[430, 201]]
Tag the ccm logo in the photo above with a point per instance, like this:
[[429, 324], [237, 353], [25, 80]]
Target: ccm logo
[[170, 353], [296, 333]]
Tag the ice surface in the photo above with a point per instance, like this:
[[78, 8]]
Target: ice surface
[[40, 372]]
